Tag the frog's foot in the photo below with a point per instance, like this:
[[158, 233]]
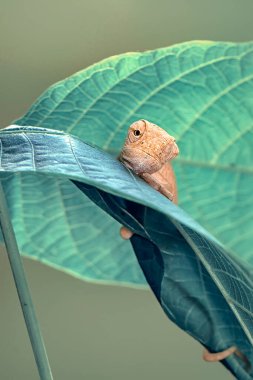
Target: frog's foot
[[125, 233], [217, 356]]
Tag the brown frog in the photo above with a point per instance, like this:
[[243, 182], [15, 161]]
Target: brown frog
[[148, 151]]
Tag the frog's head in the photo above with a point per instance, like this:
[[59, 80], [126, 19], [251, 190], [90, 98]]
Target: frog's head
[[147, 147]]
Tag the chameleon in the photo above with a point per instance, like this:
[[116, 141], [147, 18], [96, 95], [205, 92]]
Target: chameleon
[[148, 151]]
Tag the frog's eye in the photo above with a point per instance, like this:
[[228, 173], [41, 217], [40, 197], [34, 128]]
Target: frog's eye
[[137, 132]]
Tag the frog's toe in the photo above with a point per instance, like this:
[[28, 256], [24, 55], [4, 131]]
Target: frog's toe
[[125, 233]]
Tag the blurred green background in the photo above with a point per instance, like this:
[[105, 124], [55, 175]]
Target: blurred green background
[[92, 331]]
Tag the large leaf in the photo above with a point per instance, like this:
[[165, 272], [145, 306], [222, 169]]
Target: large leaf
[[202, 93], [199, 285]]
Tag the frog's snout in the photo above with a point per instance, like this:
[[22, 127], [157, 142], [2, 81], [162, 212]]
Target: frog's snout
[[171, 150], [175, 149]]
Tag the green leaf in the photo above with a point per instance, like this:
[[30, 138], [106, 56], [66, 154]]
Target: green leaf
[[201, 92], [199, 285]]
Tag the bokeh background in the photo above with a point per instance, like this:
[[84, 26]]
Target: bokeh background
[[91, 331]]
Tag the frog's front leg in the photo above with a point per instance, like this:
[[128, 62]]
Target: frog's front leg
[[159, 183]]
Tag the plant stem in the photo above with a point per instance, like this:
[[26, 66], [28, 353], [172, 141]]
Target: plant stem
[[23, 291]]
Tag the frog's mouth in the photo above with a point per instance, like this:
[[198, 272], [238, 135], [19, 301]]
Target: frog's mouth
[[140, 161]]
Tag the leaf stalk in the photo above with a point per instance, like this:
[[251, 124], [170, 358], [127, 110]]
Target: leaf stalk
[[23, 291]]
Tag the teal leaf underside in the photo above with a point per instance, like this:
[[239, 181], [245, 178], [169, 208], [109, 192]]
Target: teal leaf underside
[[201, 93], [200, 286]]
